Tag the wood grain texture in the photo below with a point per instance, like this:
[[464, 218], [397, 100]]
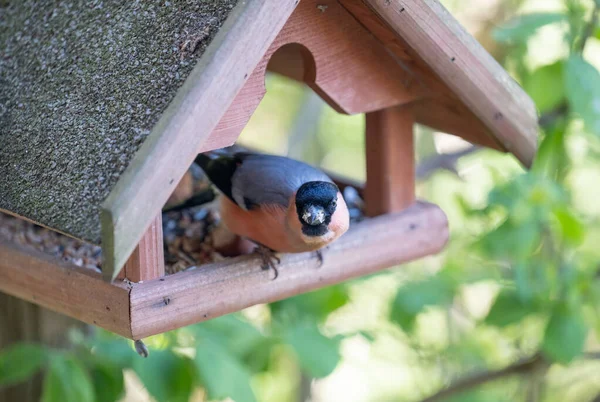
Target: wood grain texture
[[349, 68], [64, 288], [221, 288], [441, 109], [467, 69], [239, 112], [324, 46], [390, 161], [147, 261], [196, 110], [183, 191], [450, 116]]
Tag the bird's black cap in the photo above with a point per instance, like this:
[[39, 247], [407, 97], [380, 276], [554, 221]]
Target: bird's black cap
[[316, 196]]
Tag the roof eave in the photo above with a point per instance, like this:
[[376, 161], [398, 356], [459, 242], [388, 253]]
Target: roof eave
[[468, 70]]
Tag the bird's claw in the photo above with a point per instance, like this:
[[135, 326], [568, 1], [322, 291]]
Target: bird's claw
[[320, 257], [269, 259]]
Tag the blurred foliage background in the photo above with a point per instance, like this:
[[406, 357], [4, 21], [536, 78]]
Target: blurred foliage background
[[509, 312]]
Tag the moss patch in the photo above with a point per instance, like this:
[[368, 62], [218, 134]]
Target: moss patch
[[82, 83]]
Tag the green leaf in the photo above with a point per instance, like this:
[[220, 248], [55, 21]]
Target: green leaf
[[221, 373], [239, 338], [582, 82], [552, 160], [108, 381], [572, 229], [117, 351], [317, 354], [166, 375], [565, 335], [508, 308], [405, 319], [521, 28], [508, 240], [259, 358], [317, 304], [237, 335], [67, 381], [19, 362], [412, 298], [522, 274], [546, 87]]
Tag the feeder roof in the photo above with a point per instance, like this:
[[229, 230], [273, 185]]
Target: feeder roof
[[82, 83], [86, 85]]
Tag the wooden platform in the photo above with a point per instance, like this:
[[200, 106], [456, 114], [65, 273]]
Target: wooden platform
[[139, 310]]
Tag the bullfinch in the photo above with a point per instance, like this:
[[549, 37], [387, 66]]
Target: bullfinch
[[281, 204]]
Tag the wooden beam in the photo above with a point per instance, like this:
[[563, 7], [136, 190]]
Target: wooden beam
[[324, 46], [467, 69], [174, 142], [346, 65], [147, 261], [452, 117], [390, 161], [139, 310], [64, 288], [221, 288], [441, 109]]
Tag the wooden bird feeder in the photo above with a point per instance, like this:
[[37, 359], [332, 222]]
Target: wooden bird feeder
[[103, 111]]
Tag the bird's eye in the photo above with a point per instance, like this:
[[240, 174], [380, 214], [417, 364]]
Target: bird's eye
[[334, 204]]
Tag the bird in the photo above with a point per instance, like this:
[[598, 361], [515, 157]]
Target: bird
[[281, 204]]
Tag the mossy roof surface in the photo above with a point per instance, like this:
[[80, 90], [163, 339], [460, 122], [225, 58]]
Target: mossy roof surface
[[82, 83]]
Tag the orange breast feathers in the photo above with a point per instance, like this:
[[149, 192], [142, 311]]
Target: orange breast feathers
[[279, 228]]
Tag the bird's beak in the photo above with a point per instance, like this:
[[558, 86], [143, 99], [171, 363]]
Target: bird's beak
[[313, 215]]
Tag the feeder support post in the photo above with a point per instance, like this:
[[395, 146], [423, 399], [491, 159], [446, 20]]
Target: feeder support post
[[147, 261], [390, 160]]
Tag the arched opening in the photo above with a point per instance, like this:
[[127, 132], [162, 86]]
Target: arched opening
[[296, 120], [295, 61]]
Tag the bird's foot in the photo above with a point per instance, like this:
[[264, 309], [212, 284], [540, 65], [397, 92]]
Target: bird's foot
[[269, 259], [320, 257]]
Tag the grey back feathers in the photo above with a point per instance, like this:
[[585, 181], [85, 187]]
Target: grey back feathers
[[269, 179]]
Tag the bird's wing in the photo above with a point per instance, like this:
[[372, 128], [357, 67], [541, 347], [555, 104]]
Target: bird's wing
[[220, 169], [267, 179]]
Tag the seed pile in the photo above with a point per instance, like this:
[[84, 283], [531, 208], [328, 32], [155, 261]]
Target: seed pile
[[35, 237], [188, 238]]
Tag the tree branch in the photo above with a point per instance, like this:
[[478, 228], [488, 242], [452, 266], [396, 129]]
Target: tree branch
[[592, 355], [550, 117], [522, 366], [589, 28], [442, 161]]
